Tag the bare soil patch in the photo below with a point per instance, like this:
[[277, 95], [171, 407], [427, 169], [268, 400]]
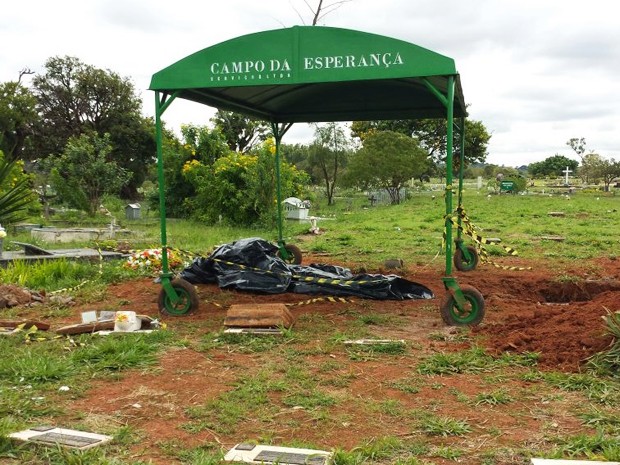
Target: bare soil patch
[[528, 311]]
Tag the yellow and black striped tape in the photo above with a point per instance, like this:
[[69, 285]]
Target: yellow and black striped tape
[[75, 288], [334, 300], [307, 279], [467, 227]]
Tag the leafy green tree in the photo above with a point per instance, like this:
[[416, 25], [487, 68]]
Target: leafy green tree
[[16, 195], [133, 149], [492, 171], [240, 188], [596, 168], [74, 98], [206, 144], [298, 155], [387, 160], [18, 115], [241, 132], [589, 169], [328, 156], [608, 170], [83, 173], [200, 144], [552, 166], [432, 136], [176, 188]]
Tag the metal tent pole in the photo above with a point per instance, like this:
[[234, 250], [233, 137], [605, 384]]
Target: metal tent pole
[[278, 132], [449, 176]]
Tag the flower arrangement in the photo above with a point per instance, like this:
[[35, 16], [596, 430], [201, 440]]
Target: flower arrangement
[[150, 260], [121, 317]]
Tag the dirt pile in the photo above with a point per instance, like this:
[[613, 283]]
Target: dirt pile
[[563, 322], [13, 296]]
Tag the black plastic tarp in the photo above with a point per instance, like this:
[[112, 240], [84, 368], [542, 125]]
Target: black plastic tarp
[[252, 265]]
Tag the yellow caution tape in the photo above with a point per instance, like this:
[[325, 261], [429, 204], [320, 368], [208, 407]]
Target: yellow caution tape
[[467, 227], [335, 300], [75, 288], [307, 279]]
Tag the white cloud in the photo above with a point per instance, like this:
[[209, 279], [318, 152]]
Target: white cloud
[[536, 73]]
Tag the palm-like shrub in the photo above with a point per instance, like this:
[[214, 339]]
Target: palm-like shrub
[[15, 191]]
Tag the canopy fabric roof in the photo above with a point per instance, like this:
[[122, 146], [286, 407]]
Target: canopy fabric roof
[[314, 74]]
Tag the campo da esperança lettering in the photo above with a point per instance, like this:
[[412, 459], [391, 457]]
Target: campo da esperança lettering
[[370, 60]]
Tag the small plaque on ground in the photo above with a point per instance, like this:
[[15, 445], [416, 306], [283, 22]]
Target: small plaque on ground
[[570, 462], [267, 331], [290, 458], [277, 455], [70, 440], [63, 437]]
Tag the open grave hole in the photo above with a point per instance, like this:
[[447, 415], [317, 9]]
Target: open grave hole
[[575, 291]]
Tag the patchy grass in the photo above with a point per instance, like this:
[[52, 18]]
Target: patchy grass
[[427, 396]]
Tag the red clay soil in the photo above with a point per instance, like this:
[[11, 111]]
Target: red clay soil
[[526, 311]]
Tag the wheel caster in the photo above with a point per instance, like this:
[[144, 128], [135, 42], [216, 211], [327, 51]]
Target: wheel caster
[[187, 303], [294, 254], [463, 265], [471, 315]]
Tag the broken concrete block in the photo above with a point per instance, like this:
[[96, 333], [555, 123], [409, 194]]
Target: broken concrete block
[[259, 316]]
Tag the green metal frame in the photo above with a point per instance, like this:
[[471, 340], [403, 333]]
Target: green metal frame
[[459, 242], [162, 102], [321, 73], [278, 132]]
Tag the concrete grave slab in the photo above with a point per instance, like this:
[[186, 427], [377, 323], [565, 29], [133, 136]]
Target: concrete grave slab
[[371, 342], [61, 436], [251, 453], [570, 462], [265, 331]]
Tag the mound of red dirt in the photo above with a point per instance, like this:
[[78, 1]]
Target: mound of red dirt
[[562, 321]]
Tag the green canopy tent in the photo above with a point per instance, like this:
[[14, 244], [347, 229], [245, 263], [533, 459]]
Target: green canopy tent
[[314, 74]]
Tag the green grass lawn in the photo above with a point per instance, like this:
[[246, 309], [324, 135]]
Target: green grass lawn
[[308, 368]]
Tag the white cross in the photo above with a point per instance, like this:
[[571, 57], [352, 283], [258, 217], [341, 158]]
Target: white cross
[[566, 171]]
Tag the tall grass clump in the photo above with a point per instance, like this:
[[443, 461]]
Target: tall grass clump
[[607, 363], [48, 275]]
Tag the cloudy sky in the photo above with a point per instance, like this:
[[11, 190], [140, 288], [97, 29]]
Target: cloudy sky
[[535, 72]]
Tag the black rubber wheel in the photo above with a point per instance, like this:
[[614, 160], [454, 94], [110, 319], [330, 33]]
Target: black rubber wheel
[[187, 303], [294, 254], [469, 316], [459, 260]]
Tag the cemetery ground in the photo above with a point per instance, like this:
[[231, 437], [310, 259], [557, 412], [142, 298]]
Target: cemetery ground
[[530, 381]]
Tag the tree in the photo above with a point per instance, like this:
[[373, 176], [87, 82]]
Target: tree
[[552, 166], [588, 171], [608, 170], [578, 145], [387, 160], [205, 144], [240, 132], [84, 172], [18, 116], [298, 155], [321, 10], [432, 136], [240, 188], [74, 98], [328, 154], [595, 168]]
